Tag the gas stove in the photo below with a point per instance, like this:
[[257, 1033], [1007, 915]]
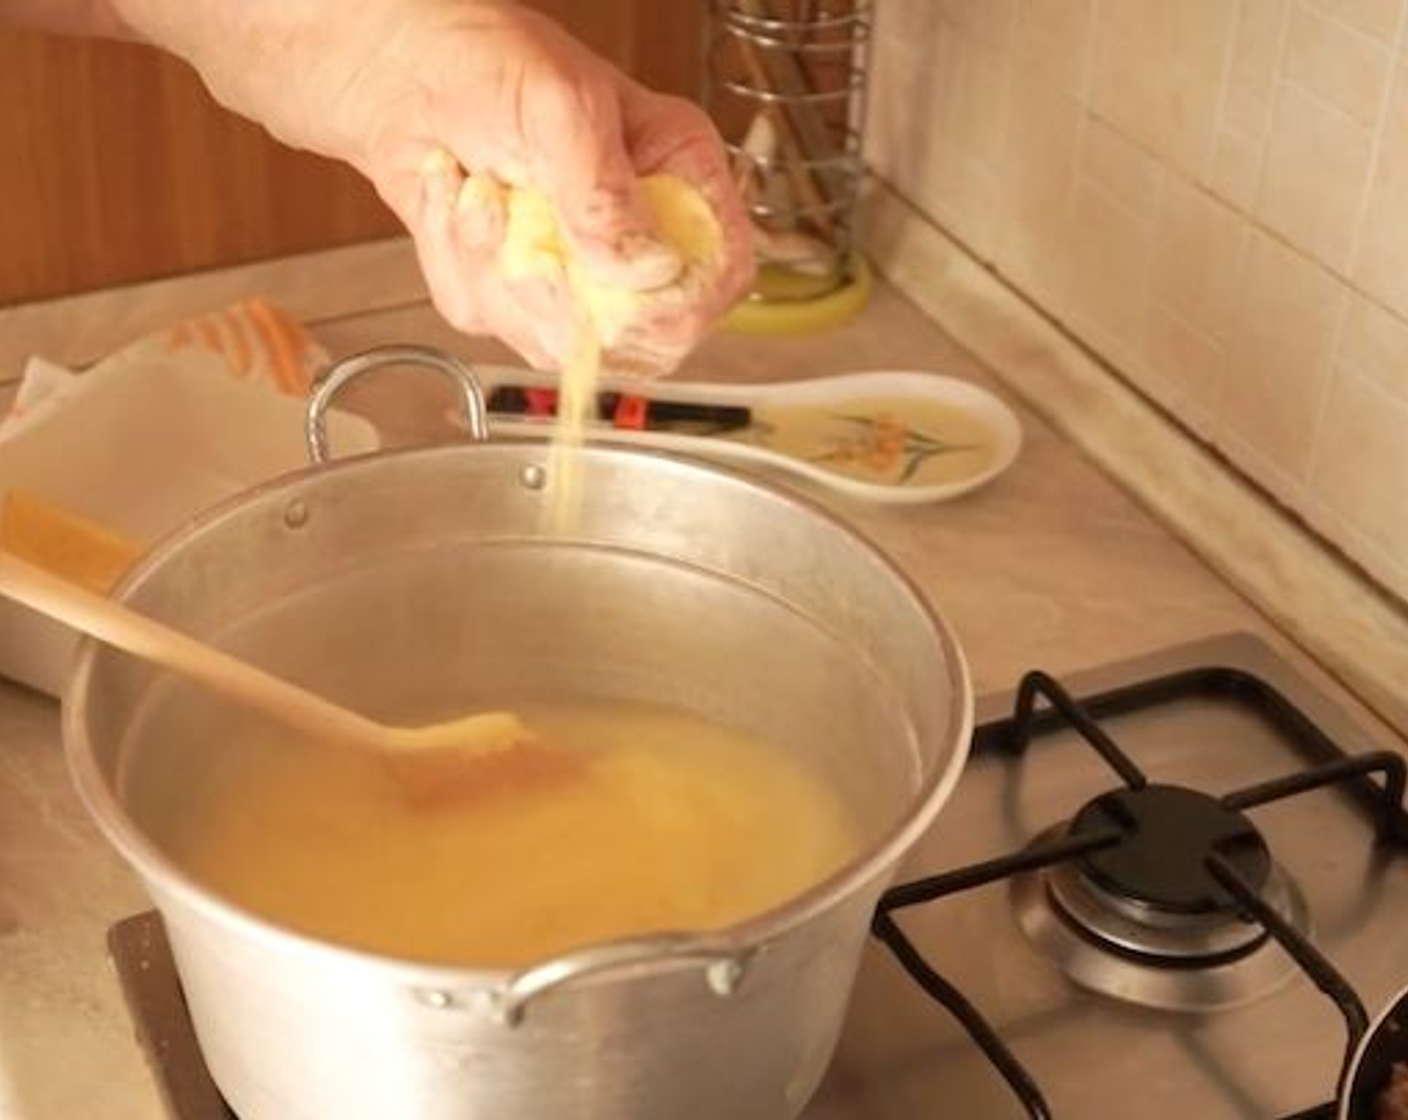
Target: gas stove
[[1171, 887]]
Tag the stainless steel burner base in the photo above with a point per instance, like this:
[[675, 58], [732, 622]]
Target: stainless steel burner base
[[1182, 984], [1144, 931]]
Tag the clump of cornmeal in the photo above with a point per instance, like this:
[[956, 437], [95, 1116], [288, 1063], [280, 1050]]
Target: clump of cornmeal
[[535, 246]]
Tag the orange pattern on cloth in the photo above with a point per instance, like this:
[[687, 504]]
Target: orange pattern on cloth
[[240, 352], [251, 340], [255, 339]]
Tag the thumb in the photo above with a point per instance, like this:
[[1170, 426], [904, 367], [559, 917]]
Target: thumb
[[583, 165]]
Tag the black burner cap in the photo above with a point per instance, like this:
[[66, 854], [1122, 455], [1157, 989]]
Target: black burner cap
[[1167, 834]]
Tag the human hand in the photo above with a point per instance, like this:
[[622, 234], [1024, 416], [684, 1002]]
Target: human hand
[[393, 85]]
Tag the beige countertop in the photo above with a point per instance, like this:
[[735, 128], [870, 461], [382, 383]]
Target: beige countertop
[[1052, 565]]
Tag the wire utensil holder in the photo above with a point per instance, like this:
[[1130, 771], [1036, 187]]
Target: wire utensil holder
[[786, 81]]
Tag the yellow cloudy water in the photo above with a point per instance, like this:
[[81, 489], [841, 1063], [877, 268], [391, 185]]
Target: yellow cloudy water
[[674, 824]]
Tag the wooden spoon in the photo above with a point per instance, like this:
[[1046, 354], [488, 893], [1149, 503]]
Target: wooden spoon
[[431, 751]]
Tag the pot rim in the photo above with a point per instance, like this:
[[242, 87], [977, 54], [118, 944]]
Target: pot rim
[[1397, 1004], [667, 949]]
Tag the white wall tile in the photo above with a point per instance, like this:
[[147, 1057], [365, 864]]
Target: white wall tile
[[1053, 41], [1211, 194], [990, 21], [1190, 366], [963, 194], [1377, 18], [1119, 167], [1381, 266], [1316, 174], [1198, 246], [1374, 344], [1108, 284], [907, 21], [1251, 71], [1361, 470], [1282, 332], [1341, 65], [1157, 73], [1035, 170], [906, 95], [975, 95], [1235, 172]]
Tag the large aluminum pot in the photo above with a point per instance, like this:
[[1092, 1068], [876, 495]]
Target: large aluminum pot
[[413, 583]]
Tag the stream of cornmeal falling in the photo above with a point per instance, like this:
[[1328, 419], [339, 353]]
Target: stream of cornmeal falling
[[576, 403]]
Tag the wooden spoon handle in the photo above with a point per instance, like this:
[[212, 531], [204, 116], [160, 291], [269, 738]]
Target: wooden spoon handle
[[114, 624]]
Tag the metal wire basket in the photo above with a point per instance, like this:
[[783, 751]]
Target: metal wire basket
[[785, 81]]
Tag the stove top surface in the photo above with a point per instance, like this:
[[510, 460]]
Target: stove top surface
[[1116, 980]]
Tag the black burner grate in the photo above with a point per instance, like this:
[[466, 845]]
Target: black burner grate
[[1228, 872]]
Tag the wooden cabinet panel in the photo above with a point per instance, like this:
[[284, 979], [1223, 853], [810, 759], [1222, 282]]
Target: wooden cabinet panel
[[116, 165]]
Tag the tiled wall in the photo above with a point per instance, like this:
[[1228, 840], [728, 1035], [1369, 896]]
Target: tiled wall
[[1212, 194]]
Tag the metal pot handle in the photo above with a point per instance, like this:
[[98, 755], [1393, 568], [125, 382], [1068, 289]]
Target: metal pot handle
[[331, 381], [723, 967]]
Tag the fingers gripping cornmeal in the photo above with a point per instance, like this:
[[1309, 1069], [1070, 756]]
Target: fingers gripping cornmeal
[[625, 324], [620, 317]]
